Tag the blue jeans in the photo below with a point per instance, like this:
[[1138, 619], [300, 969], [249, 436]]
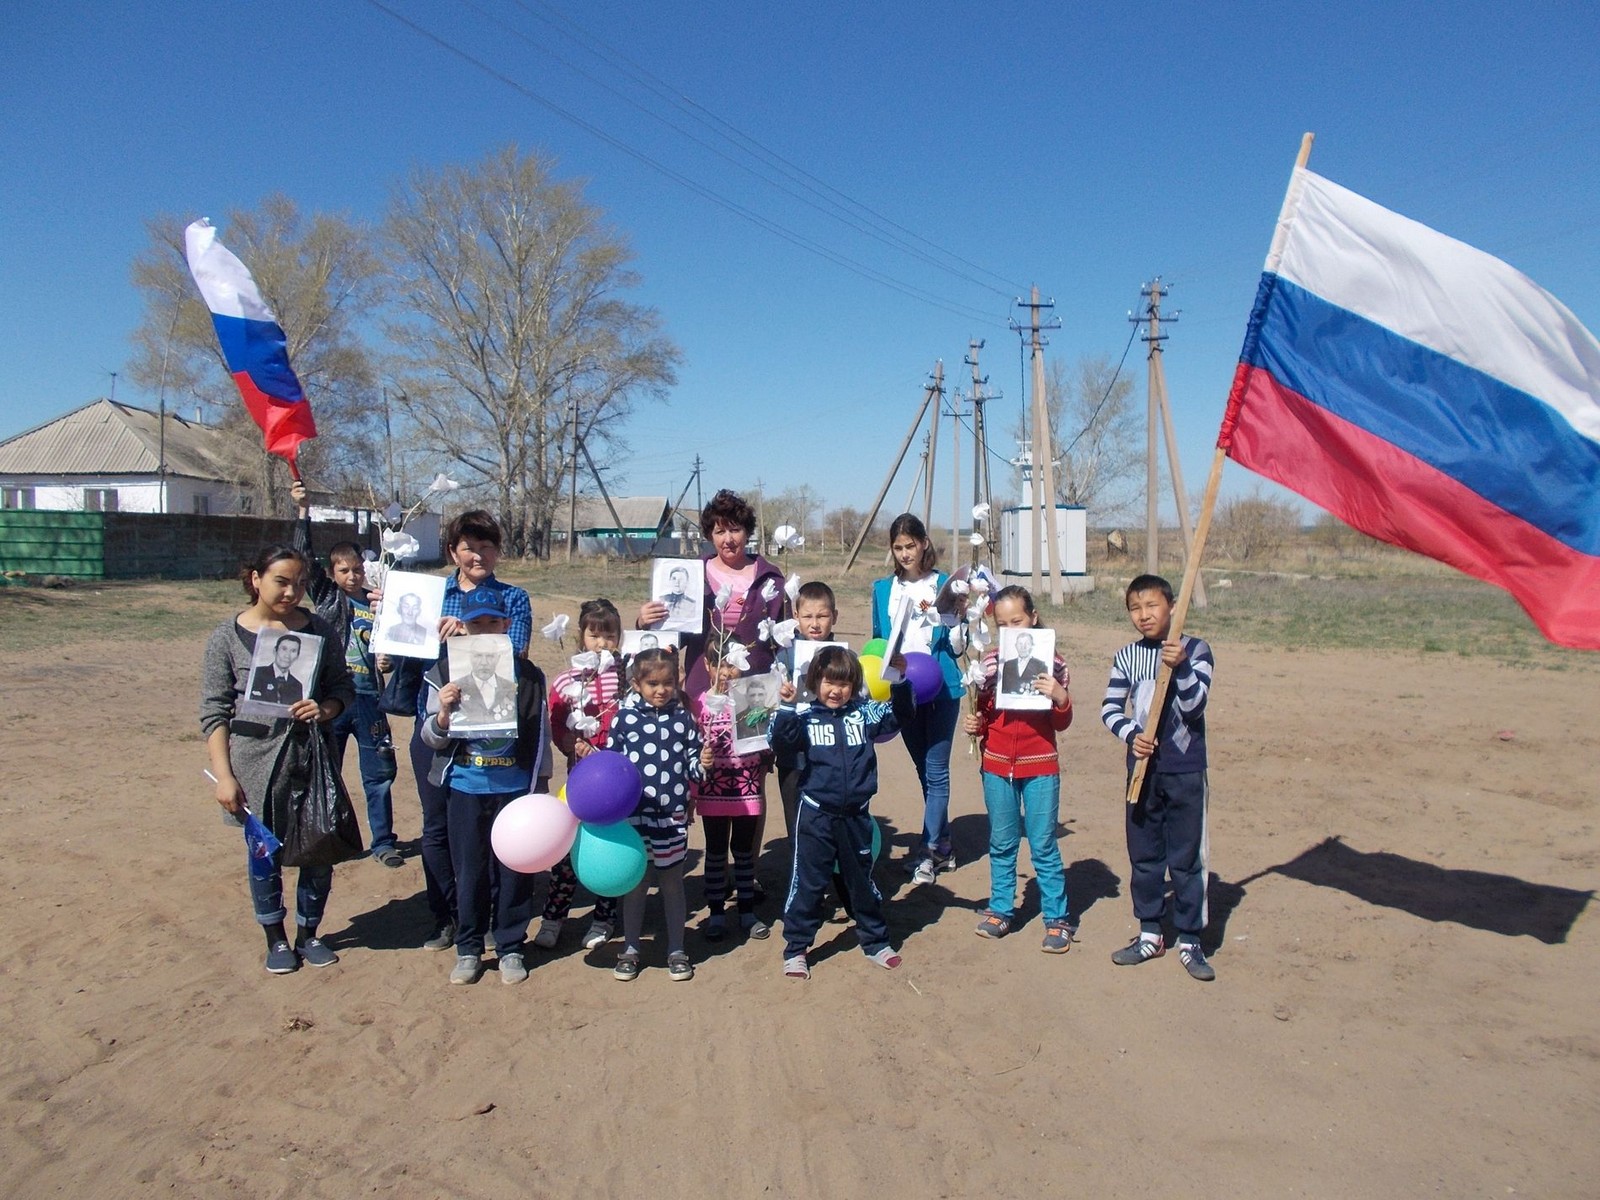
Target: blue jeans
[[310, 899], [1017, 806], [490, 896], [367, 723], [928, 730]]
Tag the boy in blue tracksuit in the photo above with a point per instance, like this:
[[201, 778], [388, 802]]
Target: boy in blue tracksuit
[[833, 827]]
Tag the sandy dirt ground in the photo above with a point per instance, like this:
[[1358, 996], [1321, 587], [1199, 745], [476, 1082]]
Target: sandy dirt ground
[[1404, 852]]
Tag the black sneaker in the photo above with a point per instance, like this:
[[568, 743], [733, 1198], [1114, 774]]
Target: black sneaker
[[315, 953], [1141, 949], [282, 960], [1194, 961], [443, 937]]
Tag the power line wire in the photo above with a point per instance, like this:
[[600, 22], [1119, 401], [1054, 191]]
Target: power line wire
[[755, 218]]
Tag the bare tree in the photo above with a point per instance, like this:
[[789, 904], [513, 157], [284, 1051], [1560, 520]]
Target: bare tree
[[795, 506], [1255, 526], [320, 276], [512, 317], [844, 524], [1097, 434]]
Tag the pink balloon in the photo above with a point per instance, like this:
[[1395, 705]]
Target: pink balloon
[[533, 833]]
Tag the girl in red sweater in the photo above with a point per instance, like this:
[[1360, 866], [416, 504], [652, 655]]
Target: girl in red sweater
[[1022, 785]]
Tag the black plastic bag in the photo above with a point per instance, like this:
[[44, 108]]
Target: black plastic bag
[[399, 695], [320, 826]]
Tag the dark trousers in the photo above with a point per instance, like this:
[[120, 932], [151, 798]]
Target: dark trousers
[[737, 834], [826, 840], [789, 793], [438, 876], [366, 722], [1167, 836], [487, 892]]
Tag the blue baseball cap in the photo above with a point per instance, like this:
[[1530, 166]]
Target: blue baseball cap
[[483, 602]]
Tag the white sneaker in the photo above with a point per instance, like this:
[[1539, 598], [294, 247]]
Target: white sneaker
[[467, 969], [599, 934], [512, 968], [926, 872], [549, 933]]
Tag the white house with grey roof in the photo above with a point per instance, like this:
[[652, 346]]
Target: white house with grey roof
[[110, 457]]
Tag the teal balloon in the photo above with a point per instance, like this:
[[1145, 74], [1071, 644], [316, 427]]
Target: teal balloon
[[877, 844], [609, 859]]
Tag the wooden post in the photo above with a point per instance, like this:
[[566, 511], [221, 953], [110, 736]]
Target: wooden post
[[1036, 482], [1158, 383], [1152, 470], [1191, 571], [622, 531], [1047, 468], [933, 446], [955, 494], [872, 515]]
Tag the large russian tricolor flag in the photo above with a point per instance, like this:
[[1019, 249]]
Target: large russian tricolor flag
[[1429, 395], [253, 343]]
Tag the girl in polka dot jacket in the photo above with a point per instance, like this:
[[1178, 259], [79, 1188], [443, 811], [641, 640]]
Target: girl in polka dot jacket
[[659, 735]]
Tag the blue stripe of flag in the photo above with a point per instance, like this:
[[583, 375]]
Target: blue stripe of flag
[[1504, 444], [260, 350]]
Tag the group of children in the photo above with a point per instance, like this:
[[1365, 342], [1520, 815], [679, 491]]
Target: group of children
[[822, 744]]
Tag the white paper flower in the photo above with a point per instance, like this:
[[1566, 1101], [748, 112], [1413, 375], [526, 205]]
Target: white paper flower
[[780, 633], [978, 635], [582, 724], [369, 556], [442, 483], [724, 597], [959, 587], [736, 655], [769, 591], [975, 611], [400, 545], [784, 535], [980, 513], [376, 573], [977, 539], [571, 691], [557, 629], [974, 676], [716, 702], [982, 581], [393, 513], [791, 589], [592, 660]]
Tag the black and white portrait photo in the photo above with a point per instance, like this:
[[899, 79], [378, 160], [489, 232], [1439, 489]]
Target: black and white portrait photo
[[281, 672], [680, 584], [636, 640], [1025, 654], [483, 666], [407, 624]]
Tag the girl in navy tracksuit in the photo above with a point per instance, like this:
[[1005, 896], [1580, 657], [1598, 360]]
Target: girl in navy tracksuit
[[832, 826]]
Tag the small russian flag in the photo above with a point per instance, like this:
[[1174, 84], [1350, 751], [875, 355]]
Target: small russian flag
[[253, 343]]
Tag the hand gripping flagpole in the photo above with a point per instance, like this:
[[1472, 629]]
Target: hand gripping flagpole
[[1202, 527]]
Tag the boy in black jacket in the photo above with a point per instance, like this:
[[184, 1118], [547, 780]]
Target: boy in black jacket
[[838, 778], [342, 600], [483, 775]]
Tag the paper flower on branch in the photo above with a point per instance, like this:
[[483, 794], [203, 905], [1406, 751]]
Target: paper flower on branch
[[400, 545], [735, 654], [979, 635], [769, 591], [791, 589], [571, 691], [724, 597], [557, 629], [982, 582], [779, 633], [393, 513], [592, 660], [977, 539], [583, 724], [716, 702], [980, 513], [442, 483], [974, 676], [787, 537], [959, 587]]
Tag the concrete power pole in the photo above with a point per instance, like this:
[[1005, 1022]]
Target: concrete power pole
[[1044, 472]]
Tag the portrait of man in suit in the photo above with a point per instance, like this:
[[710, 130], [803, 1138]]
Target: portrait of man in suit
[[1017, 674], [275, 682], [489, 691], [410, 630]]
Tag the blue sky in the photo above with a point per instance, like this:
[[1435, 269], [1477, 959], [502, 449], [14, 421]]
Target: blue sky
[[1083, 147]]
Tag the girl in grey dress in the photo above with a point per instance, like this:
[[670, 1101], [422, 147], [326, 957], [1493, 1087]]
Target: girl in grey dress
[[256, 762]]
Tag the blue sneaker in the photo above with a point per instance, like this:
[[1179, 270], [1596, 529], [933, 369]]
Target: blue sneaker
[[315, 953], [282, 960]]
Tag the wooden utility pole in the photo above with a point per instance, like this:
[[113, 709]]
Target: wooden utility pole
[[955, 468], [981, 493], [928, 393], [572, 496], [1152, 467], [1158, 389], [933, 445], [1044, 471], [611, 507]]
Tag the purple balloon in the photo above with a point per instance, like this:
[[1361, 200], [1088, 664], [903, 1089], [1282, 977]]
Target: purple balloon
[[603, 787], [923, 674]]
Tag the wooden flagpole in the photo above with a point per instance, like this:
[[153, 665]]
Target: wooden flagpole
[[1191, 569]]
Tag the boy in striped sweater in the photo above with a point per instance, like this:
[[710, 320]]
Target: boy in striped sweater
[[1166, 828]]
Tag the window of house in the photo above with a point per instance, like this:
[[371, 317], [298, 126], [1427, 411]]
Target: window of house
[[16, 497], [99, 499], [202, 506]]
